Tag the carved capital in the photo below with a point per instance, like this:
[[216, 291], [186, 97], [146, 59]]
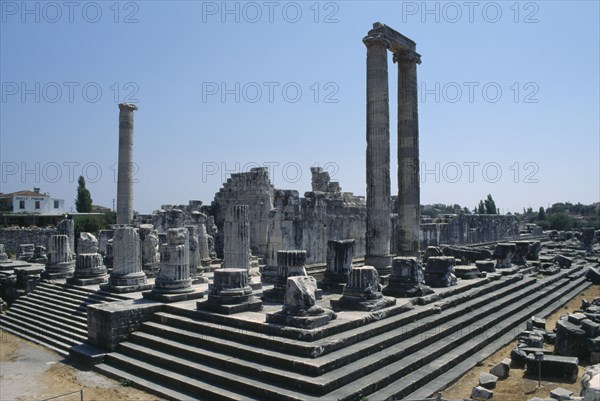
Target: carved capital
[[407, 56], [127, 106], [376, 40]]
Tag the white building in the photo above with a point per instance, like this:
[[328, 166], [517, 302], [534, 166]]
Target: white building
[[31, 202]]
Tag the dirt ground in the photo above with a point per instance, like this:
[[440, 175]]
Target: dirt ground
[[29, 372], [519, 386]]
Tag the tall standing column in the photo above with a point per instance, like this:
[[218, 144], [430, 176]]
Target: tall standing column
[[126, 170], [378, 156], [409, 212]]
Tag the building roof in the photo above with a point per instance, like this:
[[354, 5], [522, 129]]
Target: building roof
[[24, 193]]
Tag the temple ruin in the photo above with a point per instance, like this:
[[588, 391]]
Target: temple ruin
[[266, 294]]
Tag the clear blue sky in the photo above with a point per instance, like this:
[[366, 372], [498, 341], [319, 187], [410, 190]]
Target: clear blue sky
[[508, 104]]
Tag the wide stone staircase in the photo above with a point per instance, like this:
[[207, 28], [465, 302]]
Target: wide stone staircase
[[187, 354], [53, 315]]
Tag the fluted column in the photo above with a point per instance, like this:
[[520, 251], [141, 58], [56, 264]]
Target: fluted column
[[126, 170], [378, 155], [236, 247], [409, 209]]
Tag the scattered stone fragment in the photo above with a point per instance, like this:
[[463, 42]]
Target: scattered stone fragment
[[563, 261], [481, 393], [560, 394], [487, 380], [593, 274], [518, 357], [502, 369], [553, 366], [536, 323], [590, 383]]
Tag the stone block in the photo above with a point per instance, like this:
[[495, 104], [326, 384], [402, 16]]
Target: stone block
[[488, 380], [502, 369], [481, 393], [110, 323], [554, 367], [561, 394]]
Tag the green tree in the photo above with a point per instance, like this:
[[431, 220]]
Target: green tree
[[490, 205], [562, 221], [481, 208], [541, 214], [83, 202]]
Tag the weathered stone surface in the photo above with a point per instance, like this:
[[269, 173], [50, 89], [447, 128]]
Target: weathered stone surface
[[593, 274], [487, 380], [60, 258], [12, 237], [299, 308], [588, 235], [536, 323], [503, 254], [362, 292], [67, 227], [571, 339], [467, 255], [89, 265], [150, 249], [126, 166], [127, 274], [502, 369], [521, 252], [39, 255], [25, 251], [255, 190], [561, 367], [518, 357], [339, 263], [236, 248], [560, 394], [3, 255], [289, 264], [174, 274], [466, 272], [534, 250], [439, 271], [407, 279], [486, 266], [377, 250], [563, 261], [481, 393], [590, 383], [230, 293], [110, 323]]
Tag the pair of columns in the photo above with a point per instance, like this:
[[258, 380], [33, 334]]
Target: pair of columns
[[378, 153]]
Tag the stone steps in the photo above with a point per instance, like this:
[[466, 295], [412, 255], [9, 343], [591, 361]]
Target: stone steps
[[449, 352], [76, 319], [222, 335], [395, 357], [53, 315], [444, 380], [172, 385], [380, 336]]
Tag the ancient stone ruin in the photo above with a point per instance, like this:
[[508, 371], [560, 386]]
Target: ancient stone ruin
[[266, 294]]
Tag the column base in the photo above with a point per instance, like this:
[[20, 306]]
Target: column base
[[83, 281], [303, 322], [346, 303], [172, 297], [252, 305]]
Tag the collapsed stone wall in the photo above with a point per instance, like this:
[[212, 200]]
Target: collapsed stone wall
[[282, 220], [11, 237], [309, 223], [468, 229], [254, 189]]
